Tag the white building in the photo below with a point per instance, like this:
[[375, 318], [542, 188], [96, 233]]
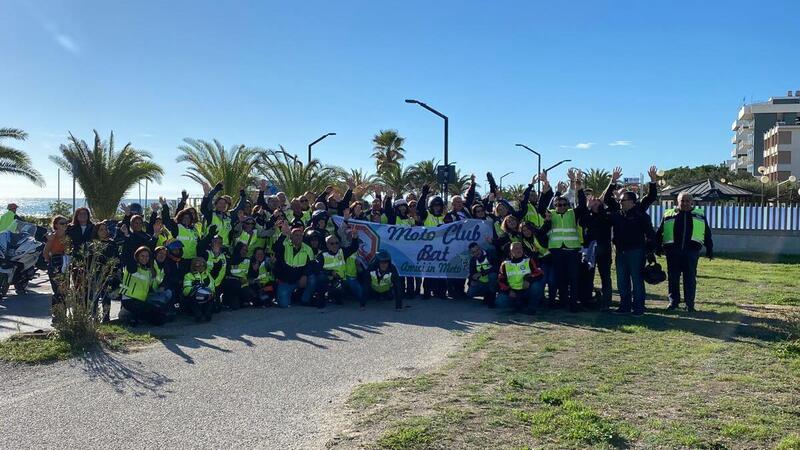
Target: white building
[[753, 122], [782, 151]]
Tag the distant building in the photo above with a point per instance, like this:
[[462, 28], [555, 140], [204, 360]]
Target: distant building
[[782, 151], [753, 122]]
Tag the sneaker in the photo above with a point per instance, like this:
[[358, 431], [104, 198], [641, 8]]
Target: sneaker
[[672, 307]]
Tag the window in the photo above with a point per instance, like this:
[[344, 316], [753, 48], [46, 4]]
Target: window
[[785, 137]]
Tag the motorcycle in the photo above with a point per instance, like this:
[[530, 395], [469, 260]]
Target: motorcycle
[[19, 254]]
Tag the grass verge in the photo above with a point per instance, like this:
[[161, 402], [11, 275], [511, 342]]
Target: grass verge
[[727, 376], [35, 349]]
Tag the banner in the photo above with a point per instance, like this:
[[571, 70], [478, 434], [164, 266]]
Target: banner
[[441, 252]]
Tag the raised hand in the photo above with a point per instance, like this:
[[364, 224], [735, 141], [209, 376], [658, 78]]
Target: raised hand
[[578, 179], [562, 186], [163, 201], [653, 172], [472, 178], [155, 207], [262, 185], [206, 188], [125, 208], [616, 174], [571, 174], [184, 195], [543, 177], [219, 186]]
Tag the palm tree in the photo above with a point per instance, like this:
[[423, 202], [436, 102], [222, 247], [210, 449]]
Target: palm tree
[[424, 172], [210, 163], [293, 177], [17, 162], [360, 181], [514, 193], [459, 185], [596, 180], [395, 179], [105, 175], [388, 149]]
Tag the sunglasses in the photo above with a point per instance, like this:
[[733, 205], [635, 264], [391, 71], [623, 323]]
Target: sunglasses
[[61, 223]]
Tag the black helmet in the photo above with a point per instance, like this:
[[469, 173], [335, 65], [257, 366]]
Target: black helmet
[[135, 209], [383, 256], [312, 234], [318, 215], [434, 201], [653, 274]]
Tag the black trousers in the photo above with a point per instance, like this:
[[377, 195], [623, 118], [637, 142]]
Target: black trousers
[[145, 311], [682, 263], [436, 287], [566, 264], [233, 294]]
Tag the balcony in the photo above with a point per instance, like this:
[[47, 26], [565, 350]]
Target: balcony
[[734, 139]]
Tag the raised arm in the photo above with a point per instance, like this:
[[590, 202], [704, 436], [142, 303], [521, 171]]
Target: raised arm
[[652, 189], [469, 200]]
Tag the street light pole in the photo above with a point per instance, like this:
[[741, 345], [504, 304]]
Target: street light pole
[[791, 179], [73, 188], [501, 179], [319, 139], [557, 164], [446, 183], [538, 167]]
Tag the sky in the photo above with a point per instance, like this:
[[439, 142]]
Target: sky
[[603, 83]]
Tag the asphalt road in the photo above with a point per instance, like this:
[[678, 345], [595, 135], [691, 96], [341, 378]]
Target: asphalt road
[[265, 378]]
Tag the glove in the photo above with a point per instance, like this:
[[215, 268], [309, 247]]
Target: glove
[[218, 186], [212, 230]]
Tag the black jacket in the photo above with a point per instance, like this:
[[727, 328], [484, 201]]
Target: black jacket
[[683, 235], [633, 228]]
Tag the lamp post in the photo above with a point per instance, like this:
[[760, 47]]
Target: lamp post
[[501, 179], [764, 180], [791, 179], [319, 139], [539, 166], [446, 183], [557, 164], [73, 188]]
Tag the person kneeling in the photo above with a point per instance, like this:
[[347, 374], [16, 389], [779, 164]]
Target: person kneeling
[[333, 281], [262, 283], [482, 275], [520, 281], [235, 285], [384, 281], [142, 299], [198, 290]]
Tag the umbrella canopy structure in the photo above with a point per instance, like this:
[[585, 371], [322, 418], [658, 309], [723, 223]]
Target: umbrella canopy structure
[[709, 191]]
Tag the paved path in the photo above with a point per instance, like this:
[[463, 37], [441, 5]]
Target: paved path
[[252, 378]]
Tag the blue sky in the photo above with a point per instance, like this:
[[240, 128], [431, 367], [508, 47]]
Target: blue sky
[[568, 79]]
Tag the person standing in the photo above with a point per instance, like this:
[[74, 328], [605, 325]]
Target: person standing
[[564, 239], [683, 232], [633, 237]]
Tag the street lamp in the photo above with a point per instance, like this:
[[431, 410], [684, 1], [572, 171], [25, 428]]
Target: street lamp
[[791, 179], [539, 167], [312, 144], [557, 164], [501, 179], [446, 183], [764, 180]]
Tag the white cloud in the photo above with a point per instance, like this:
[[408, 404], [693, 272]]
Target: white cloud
[[67, 43], [621, 143], [580, 145]]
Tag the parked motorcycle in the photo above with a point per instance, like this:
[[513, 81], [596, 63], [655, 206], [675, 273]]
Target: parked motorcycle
[[19, 253]]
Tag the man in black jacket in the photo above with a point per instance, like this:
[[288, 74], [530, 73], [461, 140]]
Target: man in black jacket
[[633, 237], [681, 235]]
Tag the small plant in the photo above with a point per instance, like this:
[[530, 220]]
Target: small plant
[[59, 208]]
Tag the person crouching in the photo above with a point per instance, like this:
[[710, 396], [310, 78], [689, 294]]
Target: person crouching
[[261, 282], [334, 283], [384, 281], [198, 290], [137, 289], [520, 281]]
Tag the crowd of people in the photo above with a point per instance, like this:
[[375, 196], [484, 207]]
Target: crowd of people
[[274, 251]]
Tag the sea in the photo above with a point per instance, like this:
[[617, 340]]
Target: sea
[[40, 207]]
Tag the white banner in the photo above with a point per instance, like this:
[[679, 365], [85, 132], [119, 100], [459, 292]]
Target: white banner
[[441, 252]]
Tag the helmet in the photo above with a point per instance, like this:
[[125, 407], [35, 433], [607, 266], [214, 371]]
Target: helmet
[[318, 215], [201, 294], [174, 245], [400, 202], [312, 234], [135, 209], [653, 274], [434, 201], [383, 256]]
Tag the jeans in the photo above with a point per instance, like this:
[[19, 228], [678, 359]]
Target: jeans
[[566, 264], [349, 285], [629, 274], [682, 262], [285, 291], [486, 290], [549, 279], [527, 300], [392, 294]]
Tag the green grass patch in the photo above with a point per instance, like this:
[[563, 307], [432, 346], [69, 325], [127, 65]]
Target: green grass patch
[[789, 443], [413, 434], [39, 349], [575, 422]]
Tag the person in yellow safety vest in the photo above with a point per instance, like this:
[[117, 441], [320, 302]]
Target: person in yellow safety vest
[[247, 233], [217, 265], [683, 232], [432, 217], [397, 213], [235, 284], [198, 290], [482, 275], [155, 226], [333, 283], [183, 228], [294, 266], [298, 214], [384, 282], [138, 283], [8, 221], [261, 281], [509, 234], [564, 240], [159, 261], [520, 281], [218, 216]]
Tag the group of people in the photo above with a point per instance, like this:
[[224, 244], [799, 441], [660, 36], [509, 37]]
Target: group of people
[[272, 250]]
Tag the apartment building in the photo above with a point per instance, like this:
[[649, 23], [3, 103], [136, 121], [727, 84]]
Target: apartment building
[[752, 124], [782, 151]]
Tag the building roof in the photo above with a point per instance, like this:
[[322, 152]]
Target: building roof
[[708, 190]]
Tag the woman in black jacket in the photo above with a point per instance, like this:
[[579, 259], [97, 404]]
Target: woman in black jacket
[[80, 231]]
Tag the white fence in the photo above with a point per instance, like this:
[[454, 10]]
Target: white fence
[[732, 217]]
